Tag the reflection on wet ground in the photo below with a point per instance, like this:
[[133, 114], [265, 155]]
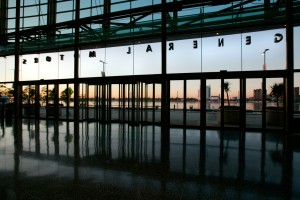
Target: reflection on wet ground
[[63, 160]]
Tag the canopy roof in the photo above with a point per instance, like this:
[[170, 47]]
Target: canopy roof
[[186, 19]]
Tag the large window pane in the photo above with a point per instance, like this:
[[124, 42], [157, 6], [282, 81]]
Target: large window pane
[[254, 104], [274, 58], [221, 52], [184, 56]]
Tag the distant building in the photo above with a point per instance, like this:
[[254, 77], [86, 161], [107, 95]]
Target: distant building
[[214, 98], [208, 92], [257, 94]]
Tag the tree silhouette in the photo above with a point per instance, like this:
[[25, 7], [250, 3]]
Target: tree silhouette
[[2, 90], [66, 94], [227, 89], [51, 94], [43, 95], [277, 91], [28, 94]]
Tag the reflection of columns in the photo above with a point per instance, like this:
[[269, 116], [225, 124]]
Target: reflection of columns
[[17, 170], [47, 137], [138, 154], [263, 157], [184, 152], [109, 141], [144, 132], [18, 149], [241, 170], [67, 137], [56, 138], [122, 142], [132, 149], [37, 137], [76, 153], [202, 152], [104, 141], [87, 138], [221, 155]]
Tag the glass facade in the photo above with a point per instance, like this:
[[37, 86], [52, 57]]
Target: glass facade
[[113, 50], [173, 94]]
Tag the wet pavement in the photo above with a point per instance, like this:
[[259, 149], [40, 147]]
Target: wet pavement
[[62, 160]]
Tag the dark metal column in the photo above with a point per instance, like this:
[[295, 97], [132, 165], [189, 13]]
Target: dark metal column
[[142, 102], [184, 103], [109, 111], [17, 89], [87, 107], [76, 96], [119, 102], [124, 102], [68, 103], [37, 101], [241, 169], [3, 20], [289, 87], [153, 103], [106, 22], [203, 104], [76, 63], [51, 18], [146, 102], [242, 103], [222, 104], [103, 103], [289, 103], [165, 92], [133, 111], [56, 101], [264, 103]]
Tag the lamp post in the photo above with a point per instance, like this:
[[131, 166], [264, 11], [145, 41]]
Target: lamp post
[[264, 54], [103, 72], [58, 53]]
